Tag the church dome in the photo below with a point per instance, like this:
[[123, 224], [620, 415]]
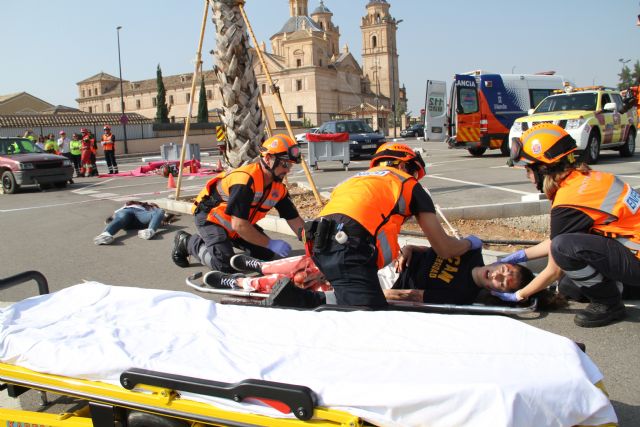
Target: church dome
[[376, 2], [297, 23], [321, 9]]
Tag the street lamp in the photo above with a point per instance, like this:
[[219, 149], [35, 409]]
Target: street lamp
[[513, 69], [123, 119], [394, 62]]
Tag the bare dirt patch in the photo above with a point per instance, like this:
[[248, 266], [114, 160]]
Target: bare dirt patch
[[504, 233]]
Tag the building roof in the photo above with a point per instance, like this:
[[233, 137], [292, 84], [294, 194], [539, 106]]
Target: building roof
[[67, 119], [100, 76], [321, 9], [297, 23], [376, 2], [9, 96]]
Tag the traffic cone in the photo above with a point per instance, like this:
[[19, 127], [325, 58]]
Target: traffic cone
[[171, 183]]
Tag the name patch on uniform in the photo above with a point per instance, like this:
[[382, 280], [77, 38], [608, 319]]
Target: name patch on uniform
[[632, 200], [373, 173]]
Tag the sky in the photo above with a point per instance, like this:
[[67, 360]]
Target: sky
[[49, 46]]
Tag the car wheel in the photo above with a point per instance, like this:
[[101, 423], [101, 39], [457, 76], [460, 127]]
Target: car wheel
[[477, 151], [629, 146], [504, 148], [592, 152], [9, 185]]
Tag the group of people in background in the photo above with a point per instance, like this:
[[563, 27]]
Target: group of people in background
[[81, 149]]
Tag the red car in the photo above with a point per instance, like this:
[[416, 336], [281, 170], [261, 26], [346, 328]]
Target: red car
[[23, 163]]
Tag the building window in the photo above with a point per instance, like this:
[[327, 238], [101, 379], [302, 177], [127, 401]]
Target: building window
[[108, 108], [209, 94], [300, 111], [188, 97], [83, 93], [154, 101], [321, 62], [264, 88], [137, 104], [298, 62], [374, 42], [90, 109], [95, 91], [170, 99], [298, 85]]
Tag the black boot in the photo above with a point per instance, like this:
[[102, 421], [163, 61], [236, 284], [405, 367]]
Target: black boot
[[597, 314], [285, 294], [180, 253]]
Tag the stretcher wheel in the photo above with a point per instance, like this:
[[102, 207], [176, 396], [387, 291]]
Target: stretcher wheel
[[143, 419]]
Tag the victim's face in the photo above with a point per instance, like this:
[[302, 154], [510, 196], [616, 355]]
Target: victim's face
[[497, 277]]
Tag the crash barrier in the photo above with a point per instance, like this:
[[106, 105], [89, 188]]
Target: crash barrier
[[431, 362], [328, 147], [171, 151]]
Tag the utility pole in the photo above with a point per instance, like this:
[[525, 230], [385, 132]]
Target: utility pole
[[123, 118], [394, 62]]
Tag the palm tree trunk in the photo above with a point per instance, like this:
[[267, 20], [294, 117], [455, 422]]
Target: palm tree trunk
[[237, 83]]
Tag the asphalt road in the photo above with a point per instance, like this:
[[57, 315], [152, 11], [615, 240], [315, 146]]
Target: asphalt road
[[52, 232]]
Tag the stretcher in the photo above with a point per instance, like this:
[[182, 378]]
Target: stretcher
[[171, 359]]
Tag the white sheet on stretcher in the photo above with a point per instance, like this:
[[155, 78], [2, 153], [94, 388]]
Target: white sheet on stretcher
[[391, 368]]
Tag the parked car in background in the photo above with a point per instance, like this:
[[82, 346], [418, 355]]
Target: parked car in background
[[593, 116], [23, 163], [362, 139], [413, 131], [301, 138]]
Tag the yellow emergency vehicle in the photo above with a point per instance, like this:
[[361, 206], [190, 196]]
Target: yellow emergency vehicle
[[592, 116]]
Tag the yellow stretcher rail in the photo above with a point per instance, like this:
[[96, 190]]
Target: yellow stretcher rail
[[108, 403]]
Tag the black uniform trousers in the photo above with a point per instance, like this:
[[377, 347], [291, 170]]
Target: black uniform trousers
[[612, 262], [213, 247]]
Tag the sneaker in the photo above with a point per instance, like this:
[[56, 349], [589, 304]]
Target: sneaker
[[246, 263], [220, 280], [285, 294], [146, 234], [597, 314], [180, 253], [103, 238]]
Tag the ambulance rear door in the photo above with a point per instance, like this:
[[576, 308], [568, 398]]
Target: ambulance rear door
[[465, 109], [436, 113]]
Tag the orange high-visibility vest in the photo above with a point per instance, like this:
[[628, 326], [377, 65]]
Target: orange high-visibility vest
[[219, 187], [612, 204], [107, 141], [378, 199]]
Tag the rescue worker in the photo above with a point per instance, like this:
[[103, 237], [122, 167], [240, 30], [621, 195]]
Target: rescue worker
[[75, 151], [50, 144], [595, 226], [356, 233], [229, 206], [108, 146], [89, 143], [63, 145], [85, 156]]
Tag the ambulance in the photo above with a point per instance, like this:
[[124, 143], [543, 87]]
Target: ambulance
[[482, 106]]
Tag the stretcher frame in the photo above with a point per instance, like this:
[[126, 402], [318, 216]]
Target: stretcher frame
[[247, 296]]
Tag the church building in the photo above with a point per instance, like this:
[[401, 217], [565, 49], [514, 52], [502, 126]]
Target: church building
[[318, 78]]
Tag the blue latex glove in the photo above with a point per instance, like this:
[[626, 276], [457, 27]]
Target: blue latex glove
[[514, 258], [280, 247], [505, 296], [476, 243]]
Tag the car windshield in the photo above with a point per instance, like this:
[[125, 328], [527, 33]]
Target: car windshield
[[12, 146], [576, 101], [353, 127]]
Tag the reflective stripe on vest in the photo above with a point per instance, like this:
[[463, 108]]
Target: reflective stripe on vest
[[379, 200], [612, 204], [108, 143]]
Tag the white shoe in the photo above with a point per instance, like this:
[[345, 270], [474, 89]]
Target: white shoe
[[146, 234], [103, 239]]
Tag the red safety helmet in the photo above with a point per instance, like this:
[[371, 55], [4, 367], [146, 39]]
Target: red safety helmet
[[62, 132], [106, 127], [283, 147], [396, 153], [543, 144], [84, 130]]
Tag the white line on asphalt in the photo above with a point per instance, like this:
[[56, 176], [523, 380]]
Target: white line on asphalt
[[105, 195], [478, 184], [448, 161]]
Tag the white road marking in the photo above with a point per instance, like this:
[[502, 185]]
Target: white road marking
[[430, 165], [479, 185]]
